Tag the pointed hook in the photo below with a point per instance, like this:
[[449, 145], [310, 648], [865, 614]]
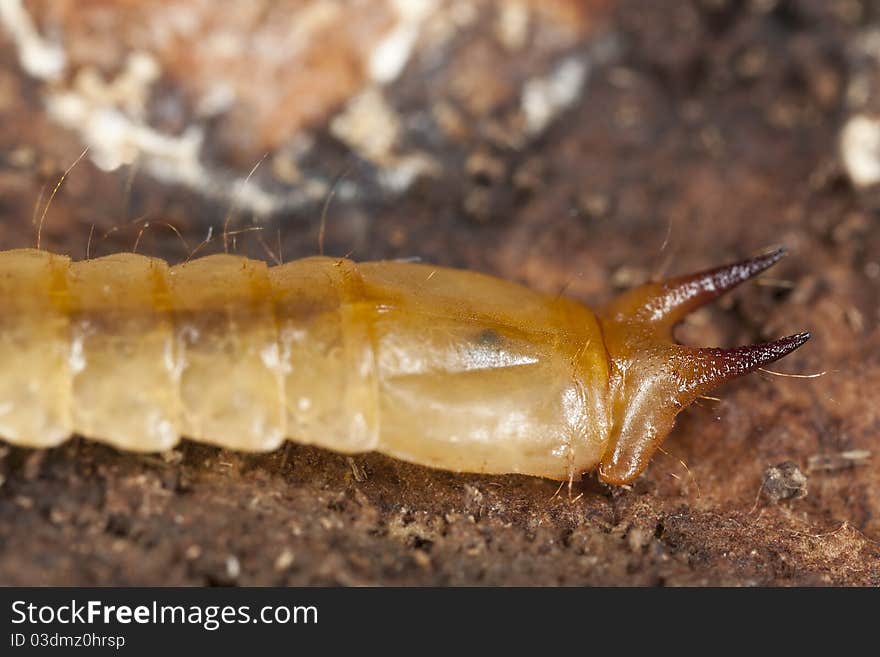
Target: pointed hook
[[684, 294], [668, 302], [705, 368]]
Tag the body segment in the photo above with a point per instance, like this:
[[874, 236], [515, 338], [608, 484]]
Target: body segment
[[446, 368]]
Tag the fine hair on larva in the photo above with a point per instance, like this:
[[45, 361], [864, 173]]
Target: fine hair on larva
[[447, 368]]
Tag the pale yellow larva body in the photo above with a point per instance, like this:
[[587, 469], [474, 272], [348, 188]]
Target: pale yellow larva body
[[446, 368]]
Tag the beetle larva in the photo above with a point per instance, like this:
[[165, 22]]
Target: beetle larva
[[446, 368]]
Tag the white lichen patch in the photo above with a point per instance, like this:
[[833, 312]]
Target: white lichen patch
[[369, 125], [371, 128], [390, 56], [860, 149], [40, 58], [544, 98]]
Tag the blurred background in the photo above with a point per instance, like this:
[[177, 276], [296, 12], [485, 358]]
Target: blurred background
[[572, 145]]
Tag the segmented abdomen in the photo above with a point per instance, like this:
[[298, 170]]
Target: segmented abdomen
[[451, 369]]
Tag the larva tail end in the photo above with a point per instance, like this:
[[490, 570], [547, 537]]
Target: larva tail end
[[667, 303], [655, 383], [653, 378]]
